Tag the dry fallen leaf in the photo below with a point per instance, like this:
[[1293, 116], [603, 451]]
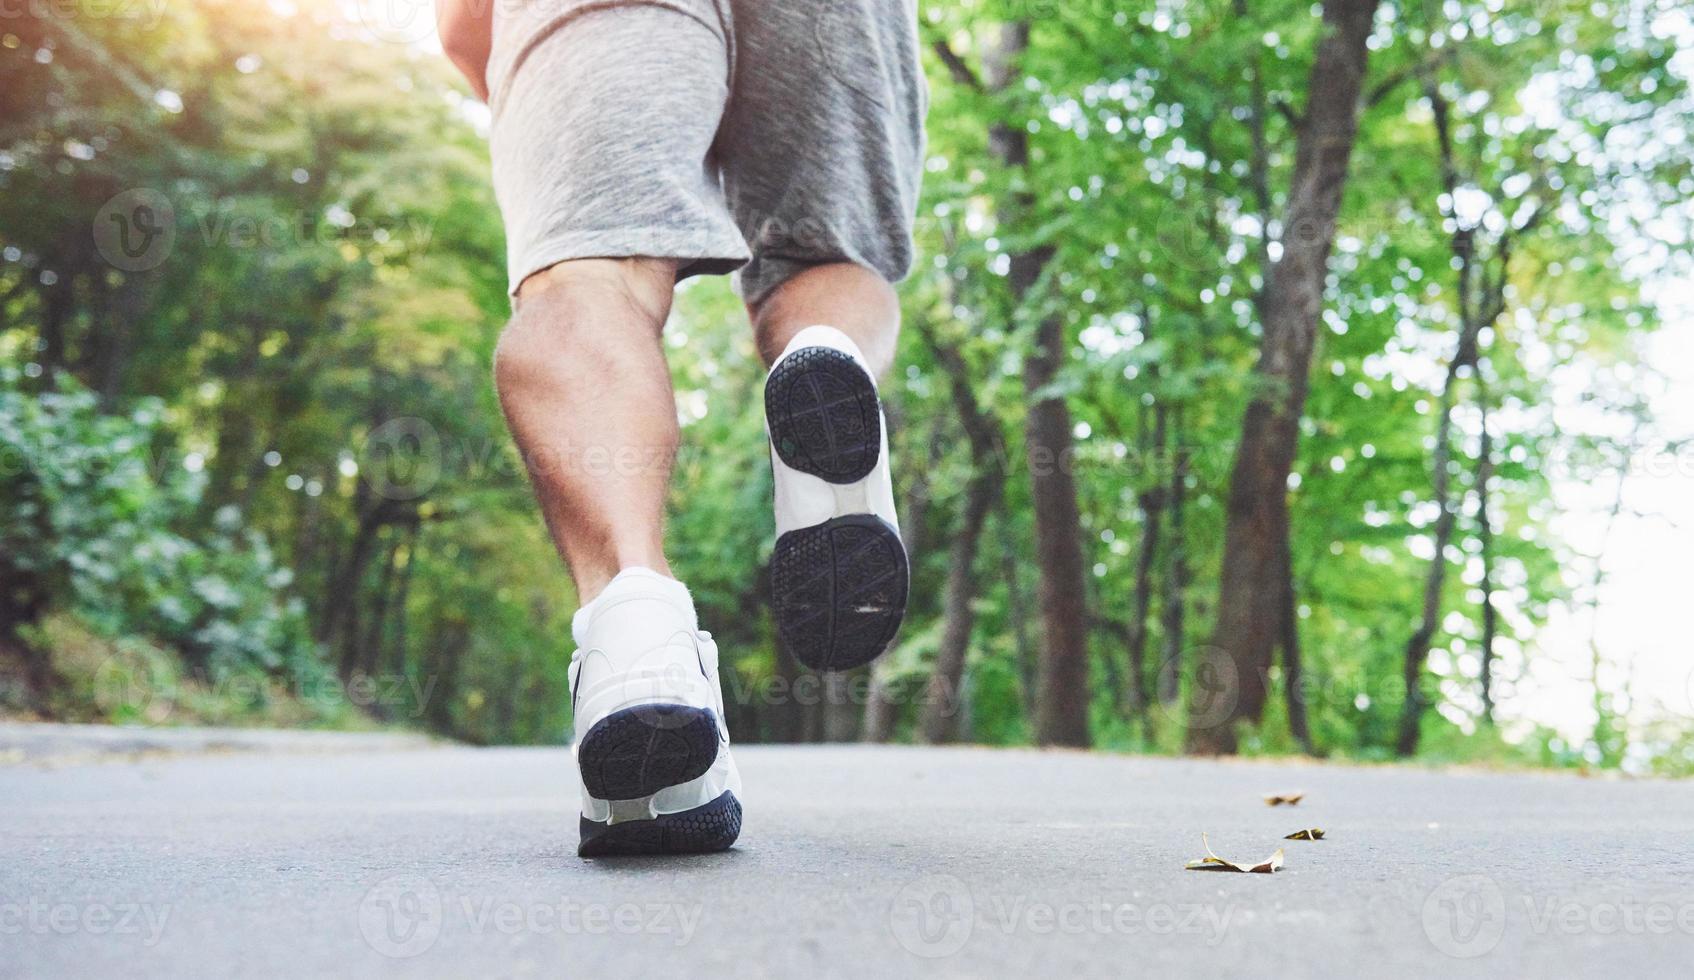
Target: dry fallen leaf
[[1312, 834], [1278, 799], [1211, 862]]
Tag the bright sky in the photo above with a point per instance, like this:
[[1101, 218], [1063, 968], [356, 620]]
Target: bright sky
[[1645, 599], [1640, 623]]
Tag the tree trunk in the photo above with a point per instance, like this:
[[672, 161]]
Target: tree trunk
[[811, 716], [1062, 699], [396, 655], [237, 458], [943, 697], [447, 651], [1251, 593], [1173, 608], [1019, 610], [787, 717], [1481, 301], [340, 623], [56, 306], [1293, 671], [125, 305], [369, 655], [1417, 647], [1152, 501], [1485, 538], [914, 509], [881, 712], [840, 721]]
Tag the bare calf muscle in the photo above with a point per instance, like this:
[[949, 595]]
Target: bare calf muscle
[[586, 392]]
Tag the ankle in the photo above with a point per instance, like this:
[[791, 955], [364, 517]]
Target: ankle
[[651, 562], [591, 581]]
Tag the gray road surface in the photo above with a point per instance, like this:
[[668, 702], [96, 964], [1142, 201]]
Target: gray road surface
[[460, 862]]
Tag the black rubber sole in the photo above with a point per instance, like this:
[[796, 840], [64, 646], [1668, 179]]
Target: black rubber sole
[[840, 591], [712, 827], [823, 415], [638, 751]]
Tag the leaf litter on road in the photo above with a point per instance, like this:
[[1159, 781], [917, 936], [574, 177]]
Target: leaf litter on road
[[1315, 833], [1211, 862], [1279, 799]]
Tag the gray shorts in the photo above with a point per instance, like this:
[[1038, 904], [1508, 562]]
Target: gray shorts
[[762, 135]]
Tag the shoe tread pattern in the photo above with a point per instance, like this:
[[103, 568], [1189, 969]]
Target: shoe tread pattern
[[704, 829], [823, 415], [638, 751], [840, 591]]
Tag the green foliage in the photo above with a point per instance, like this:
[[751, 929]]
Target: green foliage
[[128, 680], [93, 506]]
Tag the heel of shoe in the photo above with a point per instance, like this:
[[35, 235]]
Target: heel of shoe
[[823, 414], [711, 827], [636, 752], [840, 591]]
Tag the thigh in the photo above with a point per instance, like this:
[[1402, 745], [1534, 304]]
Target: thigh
[[822, 142], [603, 123]]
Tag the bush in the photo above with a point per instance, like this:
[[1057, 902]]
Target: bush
[[97, 517], [130, 681]]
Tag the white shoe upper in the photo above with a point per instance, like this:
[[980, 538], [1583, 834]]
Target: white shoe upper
[[639, 643], [804, 500]]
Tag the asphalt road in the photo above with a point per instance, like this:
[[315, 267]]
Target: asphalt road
[[854, 861]]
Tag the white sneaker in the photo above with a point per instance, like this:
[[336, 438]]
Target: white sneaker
[[652, 747], [839, 574]]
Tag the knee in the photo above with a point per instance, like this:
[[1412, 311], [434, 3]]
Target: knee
[[578, 314]]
